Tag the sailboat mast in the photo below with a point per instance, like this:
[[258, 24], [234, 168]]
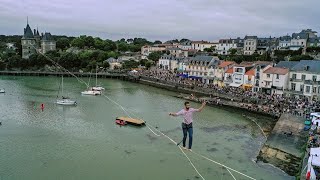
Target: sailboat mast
[[96, 76], [62, 85]]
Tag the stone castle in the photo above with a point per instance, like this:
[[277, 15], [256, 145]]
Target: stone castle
[[33, 42]]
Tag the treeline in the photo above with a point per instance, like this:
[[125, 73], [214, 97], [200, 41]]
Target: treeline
[[73, 53]]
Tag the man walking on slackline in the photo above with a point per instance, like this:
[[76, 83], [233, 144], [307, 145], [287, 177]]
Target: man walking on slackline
[[187, 113]]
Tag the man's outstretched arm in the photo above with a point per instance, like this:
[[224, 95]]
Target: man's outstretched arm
[[202, 106]]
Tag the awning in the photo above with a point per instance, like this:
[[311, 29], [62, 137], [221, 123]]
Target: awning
[[247, 85], [195, 77], [235, 85]]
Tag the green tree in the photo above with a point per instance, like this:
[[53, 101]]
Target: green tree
[[79, 42], [154, 56], [130, 64], [232, 51], [63, 43], [157, 42], [123, 47], [105, 64], [89, 41], [148, 64], [300, 57]]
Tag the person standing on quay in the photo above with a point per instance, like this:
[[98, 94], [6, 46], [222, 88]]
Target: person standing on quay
[[187, 113]]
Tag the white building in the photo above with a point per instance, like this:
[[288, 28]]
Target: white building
[[200, 66], [221, 70], [250, 45], [201, 45], [304, 79], [114, 63], [259, 67], [275, 80], [186, 45], [169, 62], [225, 45], [284, 42], [238, 74]]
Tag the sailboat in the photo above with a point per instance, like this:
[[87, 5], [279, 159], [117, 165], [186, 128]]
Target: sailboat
[[2, 91], [91, 91], [65, 100], [97, 88]]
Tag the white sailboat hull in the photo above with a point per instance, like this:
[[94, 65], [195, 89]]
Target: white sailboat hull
[[66, 102], [97, 88], [93, 93], [2, 91]]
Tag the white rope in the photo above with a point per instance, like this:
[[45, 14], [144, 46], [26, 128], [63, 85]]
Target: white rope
[[174, 142], [57, 64], [223, 165], [194, 167], [81, 81], [231, 174]]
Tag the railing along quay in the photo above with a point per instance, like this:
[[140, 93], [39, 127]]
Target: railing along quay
[[112, 74]]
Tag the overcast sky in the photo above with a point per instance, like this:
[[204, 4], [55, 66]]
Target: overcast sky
[[161, 19]]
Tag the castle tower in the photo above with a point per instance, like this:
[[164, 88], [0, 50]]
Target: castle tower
[[47, 43], [28, 42]]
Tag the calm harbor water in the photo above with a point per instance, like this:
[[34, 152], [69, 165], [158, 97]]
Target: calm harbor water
[[83, 142]]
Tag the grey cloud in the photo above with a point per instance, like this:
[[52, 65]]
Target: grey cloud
[[165, 19]]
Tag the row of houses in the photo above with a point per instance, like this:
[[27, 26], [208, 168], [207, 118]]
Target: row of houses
[[288, 78], [246, 46]]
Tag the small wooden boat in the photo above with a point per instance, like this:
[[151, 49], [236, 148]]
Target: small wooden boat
[[121, 122], [133, 121]]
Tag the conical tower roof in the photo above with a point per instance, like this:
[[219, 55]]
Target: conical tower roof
[[28, 32]]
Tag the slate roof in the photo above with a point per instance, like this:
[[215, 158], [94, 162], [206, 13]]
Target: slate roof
[[287, 64], [285, 38], [250, 37], [299, 36], [28, 32], [47, 37], [307, 65]]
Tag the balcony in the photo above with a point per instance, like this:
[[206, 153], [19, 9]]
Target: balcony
[[248, 82], [311, 82], [228, 80], [295, 80], [295, 92]]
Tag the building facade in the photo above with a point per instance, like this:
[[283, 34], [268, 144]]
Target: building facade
[[250, 45], [304, 80], [32, 42]]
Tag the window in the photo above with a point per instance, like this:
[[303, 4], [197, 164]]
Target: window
[[294, 76], [249, 43], [249, 48], [268, 83], [314, 78], [252, 43], [303, 77], [301, 43], [277, 76], [307, 89], [301, 87], [319, 90], [314, 90], [268, 75], [293, 86]]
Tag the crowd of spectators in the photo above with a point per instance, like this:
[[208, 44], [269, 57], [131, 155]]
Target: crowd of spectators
[[256, 101]]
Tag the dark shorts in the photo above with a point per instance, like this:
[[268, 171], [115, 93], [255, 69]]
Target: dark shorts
[[186, 126]]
